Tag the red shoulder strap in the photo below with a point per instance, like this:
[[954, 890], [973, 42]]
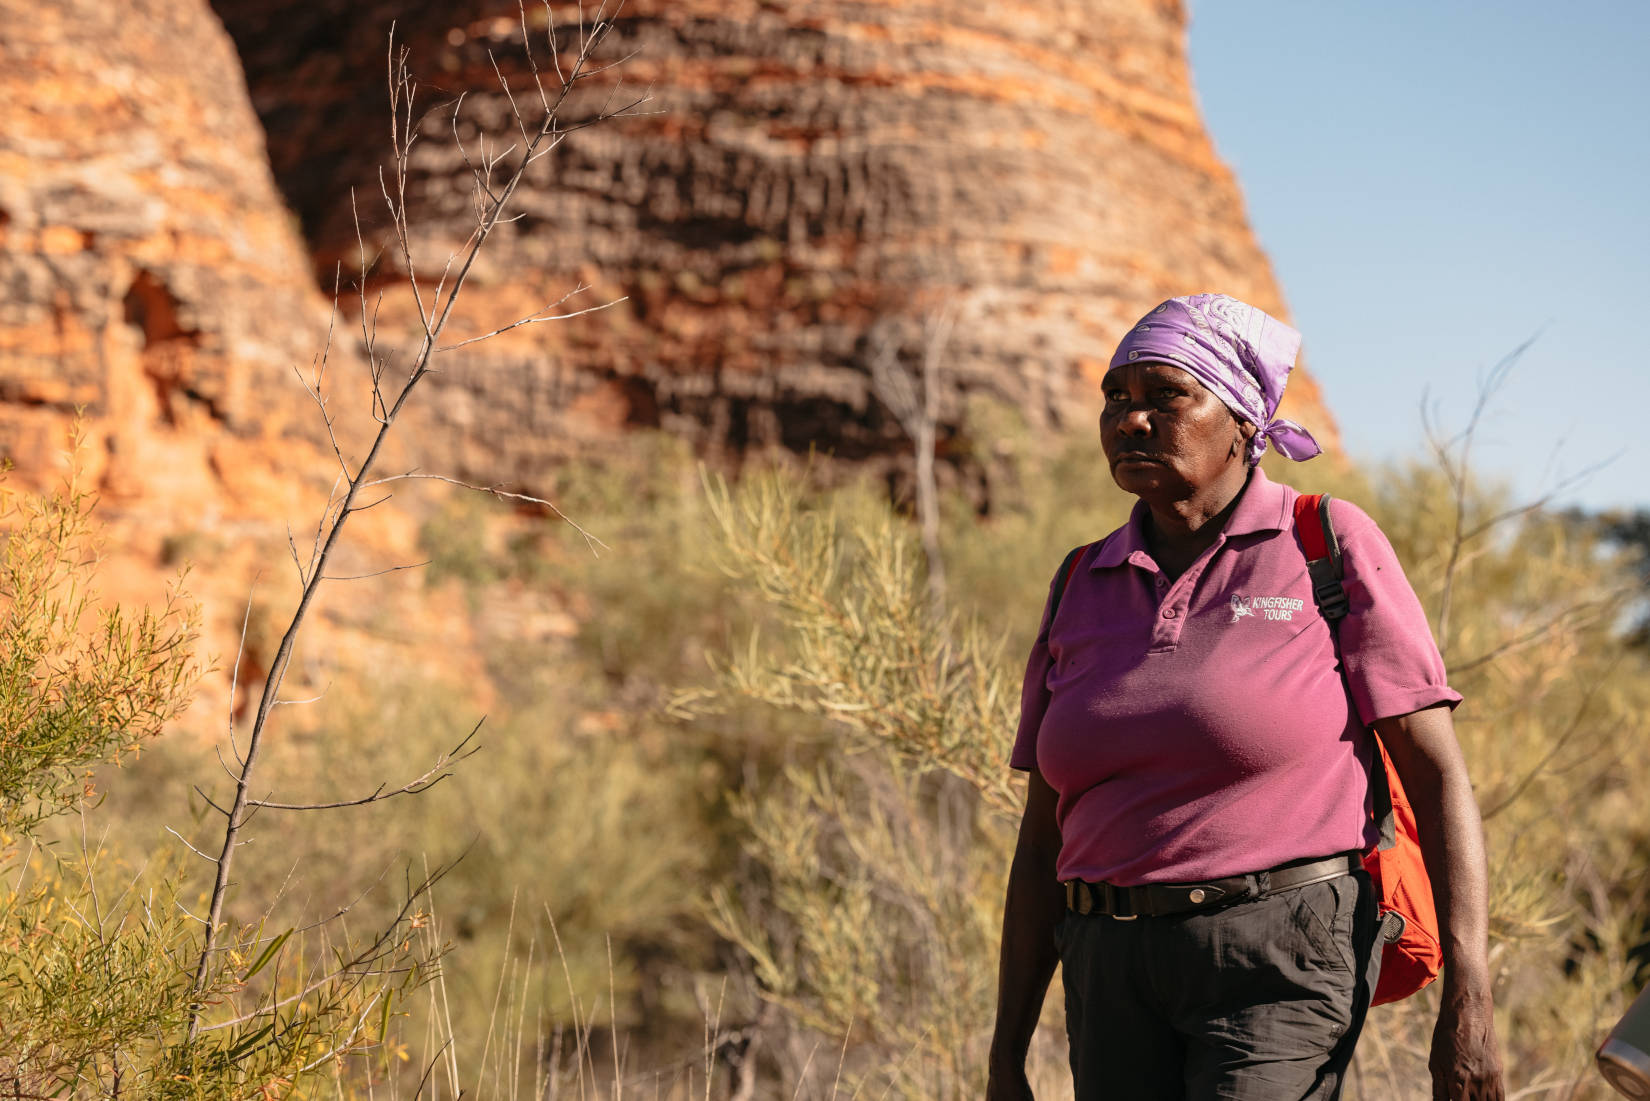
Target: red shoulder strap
[[1062, 580], [1323, 566], [1071, 570], [1323, 554], [1308, 524]]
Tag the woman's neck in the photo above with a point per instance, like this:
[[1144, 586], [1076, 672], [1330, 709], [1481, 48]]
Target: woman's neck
[[1181, 530]]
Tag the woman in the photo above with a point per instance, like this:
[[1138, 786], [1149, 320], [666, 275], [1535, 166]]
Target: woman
[[1186, 729]]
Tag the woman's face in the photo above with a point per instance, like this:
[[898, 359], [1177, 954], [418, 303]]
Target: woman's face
[[1165, 435]]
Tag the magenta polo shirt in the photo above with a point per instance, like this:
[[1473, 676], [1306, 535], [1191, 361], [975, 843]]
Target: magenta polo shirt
[[1199, 727]]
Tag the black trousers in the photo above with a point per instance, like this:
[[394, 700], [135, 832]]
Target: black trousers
[[1257, 1001]]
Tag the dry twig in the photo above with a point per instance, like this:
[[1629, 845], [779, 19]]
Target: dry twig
[[540, 135]]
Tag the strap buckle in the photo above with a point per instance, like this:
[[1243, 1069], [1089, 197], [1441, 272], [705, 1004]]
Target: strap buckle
[[1327, 590], [1099, 898]]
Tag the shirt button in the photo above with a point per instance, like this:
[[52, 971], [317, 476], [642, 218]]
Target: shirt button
[[1162, 582], [1169, 613]]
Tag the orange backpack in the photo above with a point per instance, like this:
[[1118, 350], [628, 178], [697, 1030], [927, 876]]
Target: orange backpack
[[1412, 955]]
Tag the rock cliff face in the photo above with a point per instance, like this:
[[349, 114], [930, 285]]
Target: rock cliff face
[[820, 181], [152, 278], [151, 273], [821, 178]]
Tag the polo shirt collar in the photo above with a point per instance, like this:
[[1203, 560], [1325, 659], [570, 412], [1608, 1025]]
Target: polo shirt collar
[[1264, 506]]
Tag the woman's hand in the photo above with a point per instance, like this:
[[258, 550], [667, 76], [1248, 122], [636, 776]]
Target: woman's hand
[[1008, 1084], [1466, 1061]]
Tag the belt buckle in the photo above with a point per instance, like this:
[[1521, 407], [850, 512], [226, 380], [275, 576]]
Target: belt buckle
[[1114, 897]]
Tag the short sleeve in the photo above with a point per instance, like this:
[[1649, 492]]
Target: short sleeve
[[1034, 695], [1392, 662]]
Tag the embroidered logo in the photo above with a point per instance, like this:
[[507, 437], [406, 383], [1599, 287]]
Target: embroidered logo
[[1267, 607]]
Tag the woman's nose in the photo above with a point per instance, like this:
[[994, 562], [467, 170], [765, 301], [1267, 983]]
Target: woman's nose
[[1135, 421]]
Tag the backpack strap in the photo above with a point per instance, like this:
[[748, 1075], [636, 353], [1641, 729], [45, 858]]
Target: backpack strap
[[1323, 565], [1323, 554], [1068, 570]]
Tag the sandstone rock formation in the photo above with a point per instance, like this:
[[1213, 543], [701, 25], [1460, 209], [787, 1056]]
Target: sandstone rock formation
[[151, 271], [822, 176], [152, 278]]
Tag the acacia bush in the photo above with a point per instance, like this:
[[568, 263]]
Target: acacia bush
[[95, 938], [586, 805]]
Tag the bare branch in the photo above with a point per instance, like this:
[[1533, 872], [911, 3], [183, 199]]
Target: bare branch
[[240, 652], [412, 475], [191, 848], [371, 504], [555, 50], [533, 320], [1559, 488], [434, 311], [1454, 455], [229, 772], [209, 800], [612, 64], [446, 268], [418, 784], [312, 699], [303, 579], [1575, 615], [326, 419], [363, 961], [424, 1079], [376, 573], [504, 84], [326, 522], [527, 47], [398, 220]]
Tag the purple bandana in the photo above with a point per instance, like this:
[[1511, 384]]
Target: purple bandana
[[1240, 353]]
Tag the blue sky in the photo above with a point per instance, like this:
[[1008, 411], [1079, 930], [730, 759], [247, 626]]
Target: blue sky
[[1436, 183]]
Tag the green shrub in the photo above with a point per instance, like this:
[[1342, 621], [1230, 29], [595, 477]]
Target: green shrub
[[96, 991]]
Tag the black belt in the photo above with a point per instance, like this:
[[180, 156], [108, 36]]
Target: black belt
[[1161, 899]]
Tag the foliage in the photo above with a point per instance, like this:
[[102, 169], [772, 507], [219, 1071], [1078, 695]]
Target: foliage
[[882, 851], [1527, 608], [93, 1000], [862, 649], [78, 687], [585, 807]]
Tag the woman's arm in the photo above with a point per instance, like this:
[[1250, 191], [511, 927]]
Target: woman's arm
[[1466, 1064], [1034, 905]]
